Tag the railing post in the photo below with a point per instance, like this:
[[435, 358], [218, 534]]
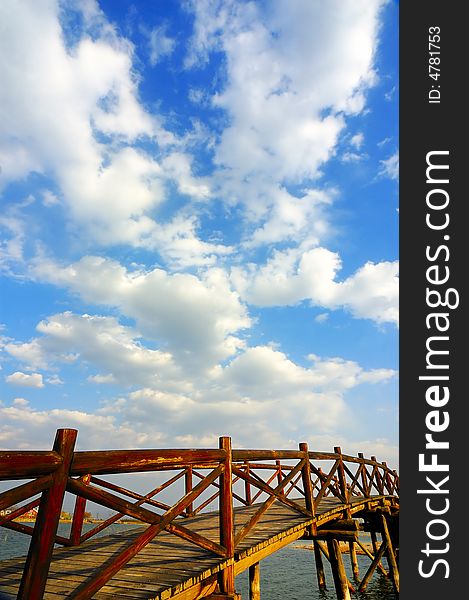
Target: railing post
[[280, 476], [341, 473], [227, 580], [37, 564], [365, 486], [78, 515], [188, 488], [247, 485], [308, 485], [379, 481]]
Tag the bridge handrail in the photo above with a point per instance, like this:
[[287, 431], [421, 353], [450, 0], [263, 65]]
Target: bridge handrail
[[225, 469]]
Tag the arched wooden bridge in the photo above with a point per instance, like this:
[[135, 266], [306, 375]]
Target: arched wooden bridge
[[213, 514]]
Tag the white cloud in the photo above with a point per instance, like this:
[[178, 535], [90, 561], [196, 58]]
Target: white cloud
[[292, 276], [160, 44], [357, 140], [195, 318], [390, 166], [294, 72], [33, 380], [231, 399], [109, 187], [353, 157]]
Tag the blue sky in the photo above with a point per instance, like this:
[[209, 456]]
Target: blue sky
[[199, 225]]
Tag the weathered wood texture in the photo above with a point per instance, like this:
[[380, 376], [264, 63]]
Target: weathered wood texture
[[263, 500], [169, 566]]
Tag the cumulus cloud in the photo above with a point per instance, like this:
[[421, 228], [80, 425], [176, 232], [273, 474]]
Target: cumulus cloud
[[195, 318], [33, 380], [107, 182], [284, 125], [234, 396], [292, 276]]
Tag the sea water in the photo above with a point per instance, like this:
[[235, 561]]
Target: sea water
[[287, 574]]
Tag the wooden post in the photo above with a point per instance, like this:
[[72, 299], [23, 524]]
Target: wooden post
[[364, 480], [247, 485], [254, 582], [78, 515], [338, 570], [319, 566], [227, 578], [280, 476], [379, 481], [393, 568], [353, 554], [36, 569], [188, 488], [307, 484], [341, 475], [354, 561]]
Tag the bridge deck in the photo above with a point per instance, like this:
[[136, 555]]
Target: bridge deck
[[170, 566]]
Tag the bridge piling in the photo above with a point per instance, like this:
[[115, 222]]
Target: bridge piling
[[321, 576], [391, 558], [338, 570], [255, 582]]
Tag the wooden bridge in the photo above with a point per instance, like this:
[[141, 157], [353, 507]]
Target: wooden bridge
[[213, 514]]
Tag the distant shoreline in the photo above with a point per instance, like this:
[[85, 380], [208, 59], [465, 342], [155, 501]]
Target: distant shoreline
[[344, 547]]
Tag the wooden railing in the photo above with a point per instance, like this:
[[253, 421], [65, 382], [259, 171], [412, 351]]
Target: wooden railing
[[210, 478]]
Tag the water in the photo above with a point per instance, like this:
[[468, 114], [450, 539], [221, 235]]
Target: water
[[14, 543], [289, 573]]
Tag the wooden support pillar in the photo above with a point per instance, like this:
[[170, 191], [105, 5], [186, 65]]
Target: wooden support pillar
[[227, 578], [37, 565], [393, 568], [338, 570], [354, 561], [319, 566], [352, 551], [375, 562], [78, 515], [255, 582]]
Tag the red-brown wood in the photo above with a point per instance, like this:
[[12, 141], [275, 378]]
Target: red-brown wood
[[307, 484], [78, 515], [24, 491], [52, 469], [262, 485], [243, 455], [275, 494], [226, 581], [37, 564], [139, 461], [21, 464]]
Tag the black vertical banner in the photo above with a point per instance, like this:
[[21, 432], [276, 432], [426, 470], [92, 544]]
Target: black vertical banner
[[434, 250]]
